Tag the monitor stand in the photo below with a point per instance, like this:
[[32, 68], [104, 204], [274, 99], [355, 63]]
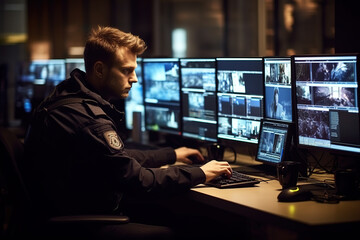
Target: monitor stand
[[260, 170]]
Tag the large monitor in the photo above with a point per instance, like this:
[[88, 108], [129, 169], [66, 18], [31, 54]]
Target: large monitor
[[198, 80], [327, 102], [277, 94], [135, 101], [162, 95], [240, 98]]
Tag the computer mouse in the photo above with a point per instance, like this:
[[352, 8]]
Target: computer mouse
[[294, 194]]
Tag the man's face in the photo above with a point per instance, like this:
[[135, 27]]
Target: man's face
[[121, 75]]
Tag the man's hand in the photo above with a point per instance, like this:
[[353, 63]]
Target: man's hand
[[183, 154], [215, 168]]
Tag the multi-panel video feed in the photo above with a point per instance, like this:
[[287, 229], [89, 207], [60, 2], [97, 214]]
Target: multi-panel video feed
[[327, 102], [277, 79], [198, 79], [162, 94], [240, 98]]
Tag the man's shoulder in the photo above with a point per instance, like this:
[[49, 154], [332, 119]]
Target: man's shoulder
[[77, 105]]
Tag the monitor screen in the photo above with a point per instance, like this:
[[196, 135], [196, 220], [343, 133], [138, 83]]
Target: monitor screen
[[162, 95], [135, 101], [56, 72], [277, 95], [198, 81], [36, 79], [72, 63], [273, 142], [240, 98], [326, 103]]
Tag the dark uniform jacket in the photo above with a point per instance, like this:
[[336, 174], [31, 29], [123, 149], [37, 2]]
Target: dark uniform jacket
[[77, 163]]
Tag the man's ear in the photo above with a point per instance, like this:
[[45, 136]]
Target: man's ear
[[99, 69]]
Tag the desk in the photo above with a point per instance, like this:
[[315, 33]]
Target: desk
[[296, 220], [269, 219]]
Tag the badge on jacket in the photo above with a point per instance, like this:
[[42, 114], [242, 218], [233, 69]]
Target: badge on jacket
[[113, 139]]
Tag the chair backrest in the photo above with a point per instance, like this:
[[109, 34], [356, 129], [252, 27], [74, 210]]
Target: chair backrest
[[23, 221], [14, 196]]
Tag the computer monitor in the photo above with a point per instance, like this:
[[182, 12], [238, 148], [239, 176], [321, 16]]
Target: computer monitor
[[198, 89], [274, 142], [327, 102], [36, 79], [56, 71], [135, 101], [277, 85], [162, 95], [240, 98], [72, 63]]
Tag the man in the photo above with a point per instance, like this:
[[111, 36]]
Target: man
[[276, 109], [76, 160]]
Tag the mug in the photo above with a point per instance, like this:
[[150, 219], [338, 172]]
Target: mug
[[346, 182], [216, 151], [287, 173]]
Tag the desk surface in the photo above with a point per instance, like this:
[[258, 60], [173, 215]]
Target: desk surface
[[261, 201]]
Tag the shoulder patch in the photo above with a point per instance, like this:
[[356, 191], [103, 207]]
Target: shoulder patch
[[112, 139]]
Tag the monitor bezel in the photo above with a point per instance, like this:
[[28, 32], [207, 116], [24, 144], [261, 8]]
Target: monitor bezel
[[299, 145], [291, 89]]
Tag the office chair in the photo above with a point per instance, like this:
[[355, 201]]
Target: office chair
[[18, 216]]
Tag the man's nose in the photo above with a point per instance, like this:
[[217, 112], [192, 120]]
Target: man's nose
[[134, 78]]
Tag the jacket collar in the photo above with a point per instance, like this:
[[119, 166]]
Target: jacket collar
[[84, 89]]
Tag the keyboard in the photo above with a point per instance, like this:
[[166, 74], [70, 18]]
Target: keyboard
[[237, 179]]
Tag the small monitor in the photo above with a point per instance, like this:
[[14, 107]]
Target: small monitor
[[327, 102], [198, 79], [135, 101], [162, 95], [274, 142], [277, 82], [240, 98]]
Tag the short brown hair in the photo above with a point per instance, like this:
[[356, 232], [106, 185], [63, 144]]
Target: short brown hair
[[103, 43]]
